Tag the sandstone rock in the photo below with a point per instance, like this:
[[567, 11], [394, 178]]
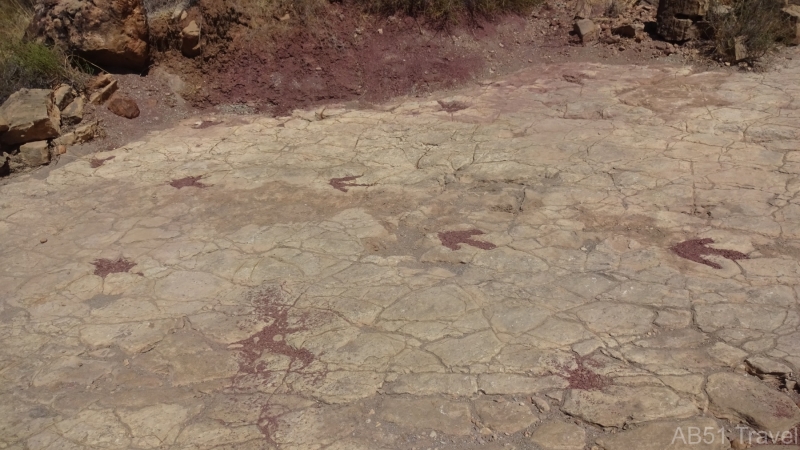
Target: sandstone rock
[[745, 399], [73, 113], [587, 30], [557, 435], [673, 435], [31, 116], [681, 20], [99, 97], [616, 406], [505, 416], [100, 81], [63, 95], [123, 106], [81, 134], [446, 416], [176, 13], [109, 33], [765, 366], [190, 40], [35, 153]]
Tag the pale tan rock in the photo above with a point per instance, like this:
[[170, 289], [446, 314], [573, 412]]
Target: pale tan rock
[[63, 95], [504, 416], [587, 30], [767, 366], [557, 435], [616, 406], [104, 93], [35, 153], [696, 433], [445, 416], [154, 426], [31, 116], [72, 114], [745, 399]]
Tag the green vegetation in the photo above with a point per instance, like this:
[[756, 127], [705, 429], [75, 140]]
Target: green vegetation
[[26, 64], [758, 26]]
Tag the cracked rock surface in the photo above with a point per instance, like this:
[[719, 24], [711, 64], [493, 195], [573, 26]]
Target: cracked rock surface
[[584, 255]]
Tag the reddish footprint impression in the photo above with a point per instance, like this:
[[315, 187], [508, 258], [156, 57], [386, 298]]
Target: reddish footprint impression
[[452, 239], [188, 182], [105, 267], [695, 249], [342, 184], [95, 162]]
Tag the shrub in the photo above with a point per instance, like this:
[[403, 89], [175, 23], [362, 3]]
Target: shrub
[[757, 25]]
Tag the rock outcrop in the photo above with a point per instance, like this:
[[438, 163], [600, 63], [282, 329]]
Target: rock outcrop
[[109, 33], [31, 115], [682, 20]]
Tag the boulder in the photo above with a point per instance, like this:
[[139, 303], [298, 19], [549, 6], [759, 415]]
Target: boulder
[[99, 97], [3, 125], [35, 154], [73, 113], [31, 116], [682, 20], [63, 96], [123, 106], [109, 33], [587, 30], [190, 40]]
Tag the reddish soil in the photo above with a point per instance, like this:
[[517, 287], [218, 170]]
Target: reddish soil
[[452, 239], [105, 267], [694, 249], [346, 55]]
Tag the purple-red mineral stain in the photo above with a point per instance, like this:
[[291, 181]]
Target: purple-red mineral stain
[[257, 353], [695, 249], [452, 239], [104, 267], [342, 184], [188, 182]]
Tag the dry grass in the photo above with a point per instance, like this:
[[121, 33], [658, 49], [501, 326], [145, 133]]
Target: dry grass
[[757, 24], [26, 64], [448, 11], [312, 13]]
